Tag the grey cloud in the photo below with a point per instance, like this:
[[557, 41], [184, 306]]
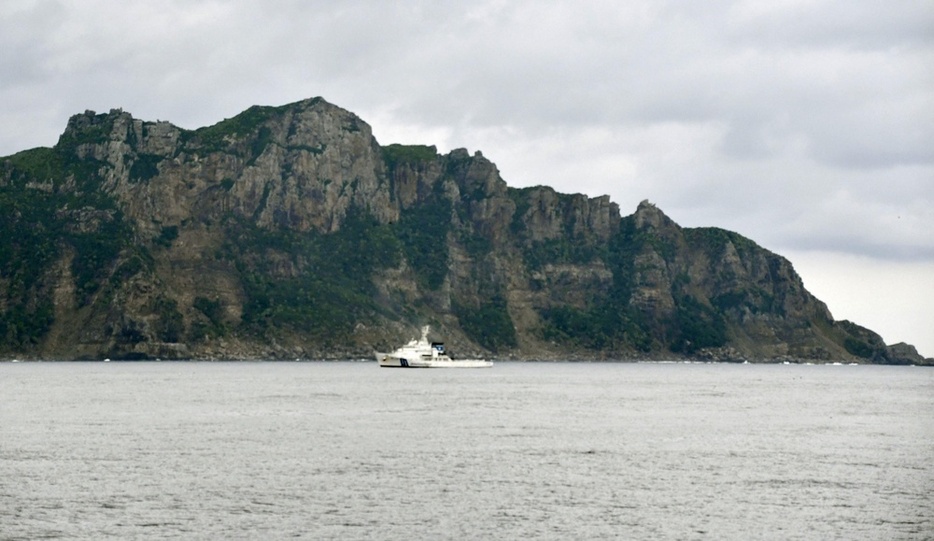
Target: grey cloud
[[865, 25]]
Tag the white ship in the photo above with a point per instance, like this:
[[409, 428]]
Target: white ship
[[424, 354]]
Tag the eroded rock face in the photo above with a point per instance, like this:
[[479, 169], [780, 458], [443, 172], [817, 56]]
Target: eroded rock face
[[297, 167], [290, 232], [902, 353]]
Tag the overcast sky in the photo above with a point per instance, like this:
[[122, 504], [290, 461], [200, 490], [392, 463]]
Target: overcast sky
[[805, 125]]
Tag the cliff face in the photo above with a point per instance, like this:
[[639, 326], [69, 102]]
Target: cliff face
[[290, 232]]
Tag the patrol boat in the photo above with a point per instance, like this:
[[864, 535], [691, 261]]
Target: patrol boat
[[420, 353]]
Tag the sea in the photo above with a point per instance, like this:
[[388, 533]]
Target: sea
[[563, 450]]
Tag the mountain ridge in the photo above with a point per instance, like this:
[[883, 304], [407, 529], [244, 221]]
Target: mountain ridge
[[289, 232]]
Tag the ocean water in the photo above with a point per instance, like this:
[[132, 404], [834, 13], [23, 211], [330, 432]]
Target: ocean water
[[346, 450]]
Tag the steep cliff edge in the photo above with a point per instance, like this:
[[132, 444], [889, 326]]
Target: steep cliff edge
[[289, 232]]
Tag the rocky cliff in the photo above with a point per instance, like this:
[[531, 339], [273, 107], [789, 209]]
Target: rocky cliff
[[289, 232]]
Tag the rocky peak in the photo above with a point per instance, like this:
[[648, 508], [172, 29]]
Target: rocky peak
[[648, 216], [91, 121], [477, 176], [550, 215], [297, 166]]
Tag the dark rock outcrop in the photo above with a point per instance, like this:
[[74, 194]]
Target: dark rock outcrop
[[290, 232]]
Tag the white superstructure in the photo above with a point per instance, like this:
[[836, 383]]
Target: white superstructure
[[424, 354]]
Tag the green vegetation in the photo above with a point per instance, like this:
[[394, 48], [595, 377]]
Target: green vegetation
[[167, 236], [861, 342], [331, 288], [697, 326], [318, 150], [263, 138], [713, 240], [40, 164], [610, 323], [210, 309], [593, 329], [858, 348], [353, 125], [561, 250], [40, 226], [93, 129], [606, 326], [23, 325], [27, 236], [219, 136], [169, 324], [423, 232], [488, 324], [96, 252], [475, 243], [26, 253], [215, 325], [520, 197], [423, 229], [694, 325], [129, 334], [145, 167], [128, 269], [397, 154], [757, 301]]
